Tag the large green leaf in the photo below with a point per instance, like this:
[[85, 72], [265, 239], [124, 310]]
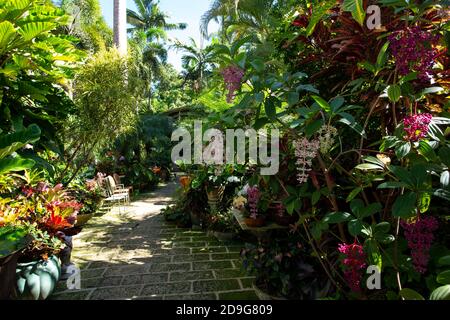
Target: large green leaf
[[404, 206], [31, 30], [410, 294], [337, 217], [7, 34], [322, 103], [15, 164], [441, 293], [357, 10], [443, 277], [12, 142]]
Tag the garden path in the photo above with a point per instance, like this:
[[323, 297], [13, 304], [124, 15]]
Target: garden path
[[137, 255]]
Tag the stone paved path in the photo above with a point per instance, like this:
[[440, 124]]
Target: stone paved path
[[137, 255]]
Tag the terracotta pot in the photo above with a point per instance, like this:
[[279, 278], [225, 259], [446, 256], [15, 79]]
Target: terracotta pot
[[8, 266], [255, 223], [185, 181]]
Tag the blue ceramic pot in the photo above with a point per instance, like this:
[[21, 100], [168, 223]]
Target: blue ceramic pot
[[36, 280]]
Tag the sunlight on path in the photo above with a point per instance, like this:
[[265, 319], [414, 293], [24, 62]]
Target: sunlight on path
[[137, 255]]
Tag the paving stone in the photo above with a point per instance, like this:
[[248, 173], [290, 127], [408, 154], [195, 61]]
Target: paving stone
[[191, 257], [208, 265], [184, 244], [145, 278], [115, 292], [101, 282], [71, 295], [236, 249], [165, 267], [239, 295], [194, 275], [173, 251], [209, 249], [215, 285], [126, 270], [229, 273], [247, 283], [167, 288], [200, 296], [224, 256]]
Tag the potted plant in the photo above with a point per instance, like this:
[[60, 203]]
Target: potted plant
[[89, 195], [12, 240], [222, 225], [254, 218], [279, 214], [45, 213]]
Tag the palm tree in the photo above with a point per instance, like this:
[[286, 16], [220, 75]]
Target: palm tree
[[196, 62], [120, 25], [149, 17], [242, 17]]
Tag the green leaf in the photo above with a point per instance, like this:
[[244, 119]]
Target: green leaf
[[7, 34], [366, 65], [410, 294], [15, 164], [315, 197], [382, 57], [337, 217], [426, 150], [394, 92], [356, 7], [444, 261], [12, 142], [368, 166], [443, 277], [373, 253], [405, 205], [353, 194], [270, 108], [444, 155], [403, 149], [31, 30], [317, 14], [258, 65], [322, 103], [313, 127], [307, 87], [382, 227], [292, 98], [441, 293], [370, 210], [355, 227]]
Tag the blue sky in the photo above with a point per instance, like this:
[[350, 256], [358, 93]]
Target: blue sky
[[188, 11]]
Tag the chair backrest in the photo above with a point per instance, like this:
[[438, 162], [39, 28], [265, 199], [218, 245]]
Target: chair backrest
[[116, 178], [110, 185]]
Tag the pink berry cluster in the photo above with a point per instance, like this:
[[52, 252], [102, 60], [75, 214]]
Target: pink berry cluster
[[414, 50], [419, 235], [353, 263], [232, 76], [305, 151], [416, 126], [253, 196]]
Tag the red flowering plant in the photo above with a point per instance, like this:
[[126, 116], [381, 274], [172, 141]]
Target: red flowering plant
[[45, 212]]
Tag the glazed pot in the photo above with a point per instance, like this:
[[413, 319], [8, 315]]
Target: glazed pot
[[8, 266], [37, 280], [214, 195], [255, 223]]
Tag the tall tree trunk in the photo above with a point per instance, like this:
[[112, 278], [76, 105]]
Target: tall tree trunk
[[120, 25]]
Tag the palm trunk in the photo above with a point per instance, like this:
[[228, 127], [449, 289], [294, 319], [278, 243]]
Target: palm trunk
[[120, 25]]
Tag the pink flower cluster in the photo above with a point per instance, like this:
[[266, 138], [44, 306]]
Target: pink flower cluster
[[419, 235], [305, 151], [416, 126], [414, 50], [354, 262], [253, 195], [232, 76]]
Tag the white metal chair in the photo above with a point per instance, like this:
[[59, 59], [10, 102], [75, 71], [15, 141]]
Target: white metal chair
[[116, 195], [117, 189]]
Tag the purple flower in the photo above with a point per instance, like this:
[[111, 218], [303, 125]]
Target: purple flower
[[232, 77], [253, 196], [419, 235], [416, 126]]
